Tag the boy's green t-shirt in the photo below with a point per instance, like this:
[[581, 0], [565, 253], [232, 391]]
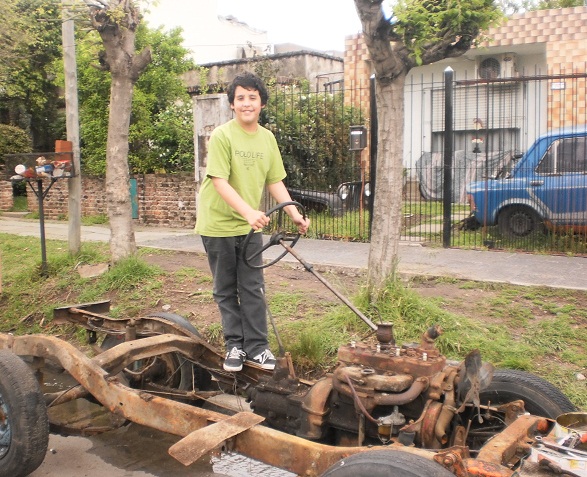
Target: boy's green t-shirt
[[248, 161]]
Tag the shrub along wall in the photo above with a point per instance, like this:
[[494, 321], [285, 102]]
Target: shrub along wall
[[163, 199]]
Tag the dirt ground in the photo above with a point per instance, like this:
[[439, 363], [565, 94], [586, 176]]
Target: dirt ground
[[188, 291]]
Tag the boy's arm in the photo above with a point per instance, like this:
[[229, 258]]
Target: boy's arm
[[256, 219], [279, 192]]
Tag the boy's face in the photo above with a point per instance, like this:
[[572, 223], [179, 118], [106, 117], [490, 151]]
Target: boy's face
[[247, 107]]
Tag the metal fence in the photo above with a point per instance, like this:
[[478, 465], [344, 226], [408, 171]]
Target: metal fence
[[493, 122], [517, 148], [326, 173]]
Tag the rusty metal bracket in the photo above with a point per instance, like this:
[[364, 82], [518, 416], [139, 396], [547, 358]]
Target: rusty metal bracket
[[189, 449]]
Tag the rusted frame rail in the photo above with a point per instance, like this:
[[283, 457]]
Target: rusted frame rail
[[276, 448]]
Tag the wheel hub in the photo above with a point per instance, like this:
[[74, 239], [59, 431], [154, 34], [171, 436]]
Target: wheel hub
[[521, 224]]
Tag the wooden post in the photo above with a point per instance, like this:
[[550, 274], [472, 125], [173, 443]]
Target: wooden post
[[72, 125]]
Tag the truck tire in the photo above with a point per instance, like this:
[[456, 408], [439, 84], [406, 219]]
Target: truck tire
[[540, 397], [519, 221], [24, 425], [386, 463], [185, 372]]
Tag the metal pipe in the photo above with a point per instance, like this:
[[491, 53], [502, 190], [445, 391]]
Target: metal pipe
[[310, 268]]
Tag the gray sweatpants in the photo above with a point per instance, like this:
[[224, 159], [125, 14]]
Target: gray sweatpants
[[238, 291]]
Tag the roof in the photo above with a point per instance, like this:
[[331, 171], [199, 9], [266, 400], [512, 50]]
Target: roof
[[275, 56]]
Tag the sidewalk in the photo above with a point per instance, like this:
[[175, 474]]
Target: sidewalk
[[414, 259]]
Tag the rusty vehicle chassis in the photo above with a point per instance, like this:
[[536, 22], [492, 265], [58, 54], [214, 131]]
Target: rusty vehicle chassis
[[203, 431]]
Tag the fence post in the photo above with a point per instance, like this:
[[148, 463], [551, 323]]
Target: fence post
[[447, 157]]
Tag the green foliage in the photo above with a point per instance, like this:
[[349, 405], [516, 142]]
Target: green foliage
[[95, 219], [161, 129], [125, 274], [13, 140], [421, 24], [312, 132], [25, 290], [28, 91], [19, 204]]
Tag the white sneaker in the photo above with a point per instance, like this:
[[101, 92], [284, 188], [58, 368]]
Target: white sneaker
[[234, 360], [265, 359]]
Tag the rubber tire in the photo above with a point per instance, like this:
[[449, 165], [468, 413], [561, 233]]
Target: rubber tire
[[506, 216], [386, 463], [541, 398], [188, 370], [22, 400]]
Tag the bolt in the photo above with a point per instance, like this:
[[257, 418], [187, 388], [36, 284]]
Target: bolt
[[448, 460]]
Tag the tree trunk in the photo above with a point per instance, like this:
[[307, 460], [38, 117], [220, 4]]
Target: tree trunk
[[387, 210], [391, 64], [118, 201], [125, 66]]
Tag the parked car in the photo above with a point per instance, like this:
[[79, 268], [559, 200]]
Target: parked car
[[546, 188], [347, 197], [318, 201]]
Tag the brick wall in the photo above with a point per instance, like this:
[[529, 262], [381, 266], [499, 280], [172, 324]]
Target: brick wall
[[564, 31], [6, 200], [163, 199], [167, 199]]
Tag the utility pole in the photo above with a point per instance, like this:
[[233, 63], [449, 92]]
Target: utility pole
[[72, 124]]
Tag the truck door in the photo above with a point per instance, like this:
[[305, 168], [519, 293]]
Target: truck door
[[561, 181]]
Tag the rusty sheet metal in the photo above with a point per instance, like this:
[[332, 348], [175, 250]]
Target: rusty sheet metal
[[200, 442], [479, 468], [62, 313]]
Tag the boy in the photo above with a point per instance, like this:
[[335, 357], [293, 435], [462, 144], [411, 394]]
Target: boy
[[243, 159]]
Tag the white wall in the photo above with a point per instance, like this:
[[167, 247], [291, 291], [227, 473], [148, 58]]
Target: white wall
[[421, 82]]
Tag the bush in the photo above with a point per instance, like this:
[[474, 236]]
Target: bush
[[312, 130], [13, 140]]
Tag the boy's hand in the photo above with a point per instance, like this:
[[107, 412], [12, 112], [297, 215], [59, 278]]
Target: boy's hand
[[257, 219], [303, 224]]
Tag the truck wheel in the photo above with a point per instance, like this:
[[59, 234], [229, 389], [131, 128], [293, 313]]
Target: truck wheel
[[519, 221], [387, 463], [176, 371], [540, 399], [24, 425]]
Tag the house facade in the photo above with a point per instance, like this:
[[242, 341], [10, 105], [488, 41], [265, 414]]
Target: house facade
[[528, 78]]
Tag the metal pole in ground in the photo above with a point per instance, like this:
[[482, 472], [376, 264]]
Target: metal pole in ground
[[447, 157]]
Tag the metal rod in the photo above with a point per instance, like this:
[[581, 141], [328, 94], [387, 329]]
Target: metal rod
[[447, 159], [310, 268], [40, 197]]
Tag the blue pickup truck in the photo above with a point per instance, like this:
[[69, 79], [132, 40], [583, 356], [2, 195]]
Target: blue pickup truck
[[545, 189]]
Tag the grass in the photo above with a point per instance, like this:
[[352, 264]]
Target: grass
[[536, 329], [19, 204]]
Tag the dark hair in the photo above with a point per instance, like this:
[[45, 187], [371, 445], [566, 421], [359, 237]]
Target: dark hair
[[248, 81]]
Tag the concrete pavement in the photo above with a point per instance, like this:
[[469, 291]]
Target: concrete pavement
[[414, 258]]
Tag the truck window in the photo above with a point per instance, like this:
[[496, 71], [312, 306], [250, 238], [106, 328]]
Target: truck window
[[572, 157], [547, 164], [565, 156]]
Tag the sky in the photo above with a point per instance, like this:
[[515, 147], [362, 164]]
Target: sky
[[317, 24]]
